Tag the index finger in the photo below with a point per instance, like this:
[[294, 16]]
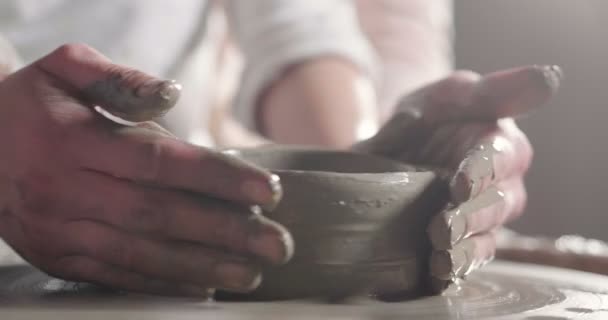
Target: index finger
[[144, 155]]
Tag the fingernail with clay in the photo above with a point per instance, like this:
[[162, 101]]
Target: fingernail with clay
[[277, 192], [553, 76], [168, 90], [474, 173], [469, 255], [266, 193], [452, 264], [461, 187], [134, 97], [272, 241], [442, 265], [447, 229]]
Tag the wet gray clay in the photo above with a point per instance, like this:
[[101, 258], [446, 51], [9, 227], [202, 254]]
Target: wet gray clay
[[358, 222]]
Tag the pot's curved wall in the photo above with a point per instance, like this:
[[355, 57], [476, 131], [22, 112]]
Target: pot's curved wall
[[568, 183]]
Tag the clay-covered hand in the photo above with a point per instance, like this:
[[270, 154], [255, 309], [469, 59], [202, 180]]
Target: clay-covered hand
[[131, 207], [464, 124]]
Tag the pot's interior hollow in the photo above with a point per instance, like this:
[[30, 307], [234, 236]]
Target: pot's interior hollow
[[304, 159]]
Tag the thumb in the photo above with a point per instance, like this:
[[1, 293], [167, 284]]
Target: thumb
[[465, 96], [126, 93], [514, 92]]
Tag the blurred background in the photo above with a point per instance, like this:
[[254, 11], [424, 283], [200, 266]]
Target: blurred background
[[568, 181]]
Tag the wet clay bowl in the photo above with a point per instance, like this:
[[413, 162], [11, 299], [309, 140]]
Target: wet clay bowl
[[358, 222]]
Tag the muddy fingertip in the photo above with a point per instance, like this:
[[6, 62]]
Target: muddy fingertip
[[553, 76], [272, 241]]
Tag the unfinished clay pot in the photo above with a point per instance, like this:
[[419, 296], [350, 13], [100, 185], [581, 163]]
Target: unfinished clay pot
[[358, 222]]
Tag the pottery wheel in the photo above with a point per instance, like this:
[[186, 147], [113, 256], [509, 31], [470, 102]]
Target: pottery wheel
[[500, 291]]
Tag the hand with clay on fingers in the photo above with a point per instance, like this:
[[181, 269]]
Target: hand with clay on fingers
[[464, 124], [129, 207]]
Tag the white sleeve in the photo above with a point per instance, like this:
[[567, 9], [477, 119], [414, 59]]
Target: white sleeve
[[9, 60], [413, 41], [275, 34]]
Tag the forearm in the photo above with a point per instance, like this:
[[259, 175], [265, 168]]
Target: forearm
[[305, 65], [325, 101]]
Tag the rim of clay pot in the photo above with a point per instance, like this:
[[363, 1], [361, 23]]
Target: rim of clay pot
[[344, 251], [324, 162]]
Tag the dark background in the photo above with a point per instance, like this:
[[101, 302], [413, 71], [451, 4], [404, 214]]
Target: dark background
[[568, 182]]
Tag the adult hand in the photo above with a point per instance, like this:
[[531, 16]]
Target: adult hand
[[129, 207], [464, 124]]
